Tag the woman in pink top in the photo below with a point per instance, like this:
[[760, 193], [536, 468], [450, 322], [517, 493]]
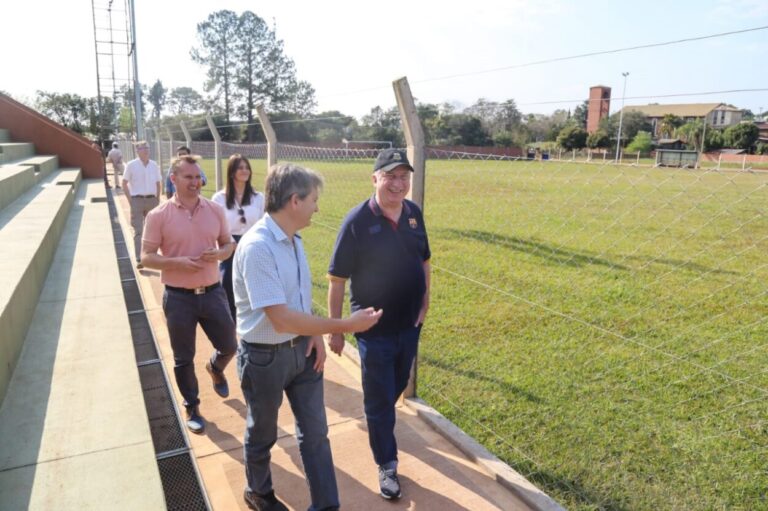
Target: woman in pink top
[[243, 206]]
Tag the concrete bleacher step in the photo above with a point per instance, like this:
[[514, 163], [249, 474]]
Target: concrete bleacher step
[[30, 229], [43, 165], [4, 136], [12, 151], [74, 406], [15, 180]]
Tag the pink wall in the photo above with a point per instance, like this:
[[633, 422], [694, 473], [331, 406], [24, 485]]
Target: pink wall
[[27, 125]]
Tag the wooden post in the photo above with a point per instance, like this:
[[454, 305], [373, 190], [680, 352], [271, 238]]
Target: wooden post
[[414, 138], [187, 137], [216, 151], [744, 162], [269, 133], [637, 162], [719, 159]]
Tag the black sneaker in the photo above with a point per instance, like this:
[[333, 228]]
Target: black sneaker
[[266, 502], [194, 421], [389, 485]]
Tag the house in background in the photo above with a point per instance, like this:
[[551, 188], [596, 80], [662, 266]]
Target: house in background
[[762, 128], [716, 115]]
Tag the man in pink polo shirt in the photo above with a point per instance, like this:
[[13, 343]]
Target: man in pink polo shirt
[[192, 235]]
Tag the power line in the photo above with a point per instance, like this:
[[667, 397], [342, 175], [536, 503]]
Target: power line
[[570, 57], [654, 96]]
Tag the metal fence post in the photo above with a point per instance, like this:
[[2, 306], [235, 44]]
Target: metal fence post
[[187, 137], [269, 133], [216, 151], [170, 144], [414, 137]]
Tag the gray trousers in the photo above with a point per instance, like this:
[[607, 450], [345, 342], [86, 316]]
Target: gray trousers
[[265, 374], [117, 169], [140, 206]]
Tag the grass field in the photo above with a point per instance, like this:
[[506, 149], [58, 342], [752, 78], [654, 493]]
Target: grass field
[[602, 329]]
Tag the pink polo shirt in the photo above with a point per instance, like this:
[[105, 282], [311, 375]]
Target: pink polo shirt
[[174, 231]]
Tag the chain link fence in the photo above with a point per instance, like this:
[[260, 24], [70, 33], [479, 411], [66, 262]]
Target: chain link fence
[[601, 328]]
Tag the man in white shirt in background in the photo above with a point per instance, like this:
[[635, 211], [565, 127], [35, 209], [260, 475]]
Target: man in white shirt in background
[[115, 157], [142, 182]]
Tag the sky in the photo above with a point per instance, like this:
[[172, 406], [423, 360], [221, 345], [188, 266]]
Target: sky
[[351, 51]]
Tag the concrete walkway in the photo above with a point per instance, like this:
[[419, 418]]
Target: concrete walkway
[[434, 474]]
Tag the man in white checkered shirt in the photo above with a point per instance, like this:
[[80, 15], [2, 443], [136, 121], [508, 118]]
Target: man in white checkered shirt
[[281, 346]]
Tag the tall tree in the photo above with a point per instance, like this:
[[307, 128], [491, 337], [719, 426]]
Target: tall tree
[[70, 110], [217, 37], [156, 98], [669, 123], [632, 122], [691, 133], [580, 114], [184, 100], [265, 73], [247, 65]]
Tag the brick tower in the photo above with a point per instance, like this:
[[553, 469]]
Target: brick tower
[[599, 105]]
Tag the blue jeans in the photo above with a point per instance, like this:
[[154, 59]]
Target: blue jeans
[[183, 311], [264, 375], [385, 361]]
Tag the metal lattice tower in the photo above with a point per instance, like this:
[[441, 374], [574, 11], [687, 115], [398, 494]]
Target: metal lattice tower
[[113, 47]]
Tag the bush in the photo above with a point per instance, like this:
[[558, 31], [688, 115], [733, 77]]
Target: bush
[[572, 137], [741, 136], [599, 139], [642, 143]]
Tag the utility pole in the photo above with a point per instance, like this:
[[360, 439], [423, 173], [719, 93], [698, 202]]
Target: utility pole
[[621, 115]]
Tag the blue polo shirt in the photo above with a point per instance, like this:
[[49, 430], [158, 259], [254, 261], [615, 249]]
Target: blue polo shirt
[[385, 263]]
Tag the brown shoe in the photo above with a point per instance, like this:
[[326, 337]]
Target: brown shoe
[[220, 385]]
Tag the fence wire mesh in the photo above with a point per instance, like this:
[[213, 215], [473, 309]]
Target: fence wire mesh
[[601, 328]]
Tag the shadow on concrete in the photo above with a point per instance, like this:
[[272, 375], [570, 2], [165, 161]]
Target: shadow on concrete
[[32, 377]]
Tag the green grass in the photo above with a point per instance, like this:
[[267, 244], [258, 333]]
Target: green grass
[[601, 329]]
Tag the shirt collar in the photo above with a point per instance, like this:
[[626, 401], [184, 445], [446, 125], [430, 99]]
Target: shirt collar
[[175, 201], [275, 229], [376, 209]]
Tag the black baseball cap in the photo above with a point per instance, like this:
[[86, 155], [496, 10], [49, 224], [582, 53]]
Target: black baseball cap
[[390, 159]]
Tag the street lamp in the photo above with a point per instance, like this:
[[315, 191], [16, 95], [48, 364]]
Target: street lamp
[[621, 115]]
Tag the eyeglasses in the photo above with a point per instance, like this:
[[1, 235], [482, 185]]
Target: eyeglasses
[[241, 212]]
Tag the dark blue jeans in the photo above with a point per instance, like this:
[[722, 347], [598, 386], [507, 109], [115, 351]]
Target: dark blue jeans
[[264, 375], [183, 311], [385, 361]]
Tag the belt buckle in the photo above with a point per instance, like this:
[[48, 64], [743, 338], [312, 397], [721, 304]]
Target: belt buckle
[[200, 290], [293, 342]]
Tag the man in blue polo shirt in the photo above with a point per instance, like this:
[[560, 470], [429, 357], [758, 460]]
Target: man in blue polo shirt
[[383, 249]]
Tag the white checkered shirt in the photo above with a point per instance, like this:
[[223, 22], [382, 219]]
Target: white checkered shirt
[[269, 270]]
